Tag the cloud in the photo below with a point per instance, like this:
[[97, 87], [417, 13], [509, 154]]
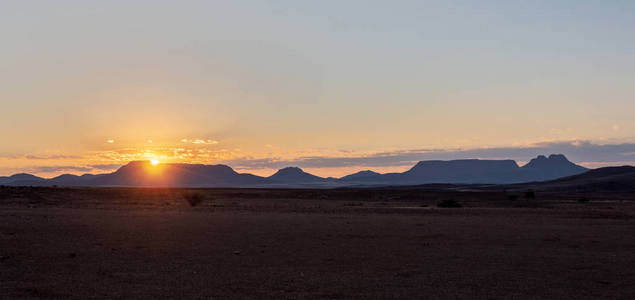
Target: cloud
[[105, 167], [44, 157], [53, 169], [74, 169], [110, 141], [186, 154], [577, 151], [199, 141]]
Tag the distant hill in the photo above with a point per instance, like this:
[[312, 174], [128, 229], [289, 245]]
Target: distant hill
[[294, 175], [361, 175], [467, 171], [21, 177], [613, 179]]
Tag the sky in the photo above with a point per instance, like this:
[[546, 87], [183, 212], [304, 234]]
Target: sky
[[330, 86]]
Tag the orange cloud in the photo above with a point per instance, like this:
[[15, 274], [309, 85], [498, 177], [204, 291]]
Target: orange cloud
[[199, 141]]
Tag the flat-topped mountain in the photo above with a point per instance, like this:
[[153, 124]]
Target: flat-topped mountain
[[142, 173], [461, 171], [465, 171]]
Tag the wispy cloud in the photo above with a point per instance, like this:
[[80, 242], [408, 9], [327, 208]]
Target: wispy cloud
[[199, 141], [176, 154], [105, 167], [51, 157], [54, 169]]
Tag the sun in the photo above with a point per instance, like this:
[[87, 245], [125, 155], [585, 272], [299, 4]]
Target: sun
[[154, 162]]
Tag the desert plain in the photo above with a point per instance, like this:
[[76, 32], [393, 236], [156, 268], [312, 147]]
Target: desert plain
[[354, 243]]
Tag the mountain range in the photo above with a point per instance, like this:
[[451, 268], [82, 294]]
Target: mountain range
[[468, 171]]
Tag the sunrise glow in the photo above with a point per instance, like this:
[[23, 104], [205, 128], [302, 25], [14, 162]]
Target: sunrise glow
[[317, 149], [321, 86]]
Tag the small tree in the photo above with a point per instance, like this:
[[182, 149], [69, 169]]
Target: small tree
[[530, 194]]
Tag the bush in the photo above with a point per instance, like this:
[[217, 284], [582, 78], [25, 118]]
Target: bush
[[530, 194], [583, 200], [512, 197], [193, 198], [450, 203]]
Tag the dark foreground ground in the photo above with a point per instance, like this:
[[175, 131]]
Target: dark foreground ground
[[388, 243]]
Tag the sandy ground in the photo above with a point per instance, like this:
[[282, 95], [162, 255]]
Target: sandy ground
[[143, 244]]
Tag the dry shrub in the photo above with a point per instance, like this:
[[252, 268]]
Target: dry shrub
[[450, 203], [583, 200], [194, 198]]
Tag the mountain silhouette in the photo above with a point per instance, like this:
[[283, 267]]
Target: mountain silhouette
[[294, 175], [20, 177], [72, 180], [555, 166], [616, 174], [143, 173], [361, 175], [607, 179], [460, 171], [473, 171], [465, 171]]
